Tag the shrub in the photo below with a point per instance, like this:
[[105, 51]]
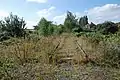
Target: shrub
[[107, 27], [13, 26], [110, 55]]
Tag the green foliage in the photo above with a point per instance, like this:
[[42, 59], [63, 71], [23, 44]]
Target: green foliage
[[111, 56], [92, 26], [12, 26], [83, 21], [6, 65], [21, 58], [85, 26], [59, 29], [114, 38], [107, 27], [77, 30], [4, 36], [45, 27], [70, 22], [36, 27], [51, 29]]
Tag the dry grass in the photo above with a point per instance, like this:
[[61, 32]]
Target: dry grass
[[27, 54], [41, 59]]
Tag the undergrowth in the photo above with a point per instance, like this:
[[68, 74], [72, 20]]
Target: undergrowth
[[36, 59]]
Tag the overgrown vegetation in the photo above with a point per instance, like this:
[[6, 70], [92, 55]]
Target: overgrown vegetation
[[12, 26], [39, 54]]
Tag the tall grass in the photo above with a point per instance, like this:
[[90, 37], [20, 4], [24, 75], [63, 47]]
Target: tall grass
[[24, 54], [37, 58], [107, 46]]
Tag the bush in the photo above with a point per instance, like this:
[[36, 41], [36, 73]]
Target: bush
[[4, 36], [111, 57], [12, 26], [77, 30], [107, 27]]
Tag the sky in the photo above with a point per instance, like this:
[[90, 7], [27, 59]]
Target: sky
[[32, 11]]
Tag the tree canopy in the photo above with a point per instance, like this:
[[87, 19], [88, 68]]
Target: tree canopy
[[70, 22], [12, 26], [107, 27]]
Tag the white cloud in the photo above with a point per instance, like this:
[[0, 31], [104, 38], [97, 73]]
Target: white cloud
[[38, 1], [3, 14], [98, 14], [59, 19], [30, 24], [78, 14], [107, 12], [46, 13]]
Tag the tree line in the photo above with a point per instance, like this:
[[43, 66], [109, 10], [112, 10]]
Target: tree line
[[13, 26], [74, 24]]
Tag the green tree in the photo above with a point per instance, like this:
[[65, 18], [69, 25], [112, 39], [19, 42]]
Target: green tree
[[62, 28], [59, 29], [45, 27], [92, 25], [83, 21], [36, 27], [70, 22], [13, 26], [51, 28], [107, 27]]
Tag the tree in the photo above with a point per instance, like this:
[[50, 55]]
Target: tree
[[118, 24], [107, 27], [83, 21], [62, 28], [1, 24], [45, 27], [59, 29], [36, 27], [13, 26], [92, 25], [70, 22], [51, 28]]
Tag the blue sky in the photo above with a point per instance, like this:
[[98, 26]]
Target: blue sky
[[97, 11]]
